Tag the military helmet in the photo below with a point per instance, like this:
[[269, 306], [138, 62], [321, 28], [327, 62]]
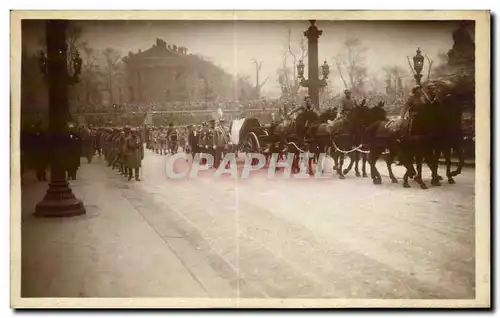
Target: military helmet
[[347, 91]]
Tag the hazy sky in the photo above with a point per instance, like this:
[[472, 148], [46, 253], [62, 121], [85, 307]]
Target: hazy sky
[[233, 44]]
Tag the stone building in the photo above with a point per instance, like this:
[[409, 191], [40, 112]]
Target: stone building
[[167, 73]]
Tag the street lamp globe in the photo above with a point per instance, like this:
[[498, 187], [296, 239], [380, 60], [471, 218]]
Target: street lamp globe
[[418, 61]]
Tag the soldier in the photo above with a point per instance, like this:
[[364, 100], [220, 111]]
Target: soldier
[[346, 105], [415, 102], [87, 143], [108, 146], [121, 150], [134, 153], [162, 137], [72, 145], [147, 136], [97, 141], [172, 135], [156, 143], [37, 151]]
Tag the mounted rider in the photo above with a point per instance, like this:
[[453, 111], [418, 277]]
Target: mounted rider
[[347, 105], [415, 102], [307, 106]]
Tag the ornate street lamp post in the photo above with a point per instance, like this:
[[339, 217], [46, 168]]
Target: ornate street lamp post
[[59, 200], [313, 83], [418, 65]]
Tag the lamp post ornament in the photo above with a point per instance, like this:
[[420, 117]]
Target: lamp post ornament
[[313, 83], [418, 65]]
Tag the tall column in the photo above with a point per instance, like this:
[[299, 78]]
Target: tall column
[[313, 35], [59, 200]]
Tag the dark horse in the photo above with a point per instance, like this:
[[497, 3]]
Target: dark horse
[[300, 135], [347, 139], [412, 138], [447, 113]]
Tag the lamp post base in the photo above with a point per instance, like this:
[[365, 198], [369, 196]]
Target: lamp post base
[[59, 201]]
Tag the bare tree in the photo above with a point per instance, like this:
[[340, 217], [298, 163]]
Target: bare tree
[[353, 59], [297, 50], [73, 36], [429, 67], [111, 62], [90, 71], [258, 85], [394, 78]]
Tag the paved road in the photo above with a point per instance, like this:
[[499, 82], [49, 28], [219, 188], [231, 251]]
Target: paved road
[[311, 238]]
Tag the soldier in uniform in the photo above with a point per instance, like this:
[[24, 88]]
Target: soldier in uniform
[[72, 145], [346, 105], [193, 139], [121, 150], [415, 102], [87, 143], [172, 136], [133, 150], [162, 137], [37, 151], [108, 146]]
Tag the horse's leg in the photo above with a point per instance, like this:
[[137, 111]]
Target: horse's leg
[[447, 158], [389, 159], [457, 146], [294, 163], [356, 163], [433, 164], [363, 168], [406, 176], [351, 162], [418, 177], [372, 160], [335, 157], [340, 166], [354, 156]]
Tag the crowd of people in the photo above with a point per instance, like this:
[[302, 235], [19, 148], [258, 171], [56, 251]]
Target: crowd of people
[[262, 103]]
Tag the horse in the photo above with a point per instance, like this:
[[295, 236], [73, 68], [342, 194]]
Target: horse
[[290, 135], [410, 137], [448, 134], [347, 138]]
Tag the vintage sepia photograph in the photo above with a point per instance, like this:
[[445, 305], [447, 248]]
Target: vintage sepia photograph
[[250, 159]]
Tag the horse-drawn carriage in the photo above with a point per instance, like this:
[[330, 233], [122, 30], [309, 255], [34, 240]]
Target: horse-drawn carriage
[[247, 135]]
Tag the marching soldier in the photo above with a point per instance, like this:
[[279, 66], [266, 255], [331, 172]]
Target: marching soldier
[[72, 145], [121, 148], [87, 143], [172, 135], [37, 151], [162, 137], [133, 153]]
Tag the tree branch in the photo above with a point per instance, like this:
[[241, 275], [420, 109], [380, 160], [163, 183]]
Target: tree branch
[[430, 67]]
